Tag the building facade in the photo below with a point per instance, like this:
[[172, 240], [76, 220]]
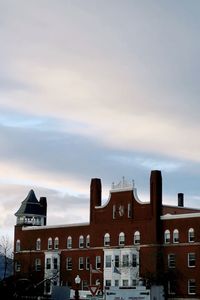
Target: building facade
[[126, 241]]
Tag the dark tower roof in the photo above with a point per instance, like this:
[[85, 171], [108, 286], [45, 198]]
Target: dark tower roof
[[30, 206]]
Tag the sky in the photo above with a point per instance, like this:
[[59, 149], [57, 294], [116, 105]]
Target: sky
[[97, 89]]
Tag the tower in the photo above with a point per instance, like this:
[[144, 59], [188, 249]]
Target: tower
[[32, 212]]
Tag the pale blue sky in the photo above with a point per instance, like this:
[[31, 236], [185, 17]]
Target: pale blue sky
[[97, 89]]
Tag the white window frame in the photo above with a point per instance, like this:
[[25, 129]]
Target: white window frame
[[125, 260], [50, 243], [191, 235], [38, 244], [69, 242], [191, 260], [48, 263], [38, 266], [81, 263], [175, 236], [121, 239], [69, 263], [107, 239], [108, 261], [167, 236], [191, 286], [81, 241], [136, 239], [88, 241], [98, 262], [56, 243], [171, 260]]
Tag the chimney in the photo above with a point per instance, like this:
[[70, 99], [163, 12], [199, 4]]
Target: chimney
[[180, 199], [95, 195], [156, 201]]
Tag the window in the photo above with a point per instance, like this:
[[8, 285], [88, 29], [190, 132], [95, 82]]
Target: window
[[18, 246], [107, 239], [38, 244], [48, 263], [134, 260], [167, 237], [55, 263], [117, 261], [50, 243], [108, 261], [121, 239], [88, 241], [171, 260], [37, 264], [81, 263], [176, 236], [116, 282], [134, 282], [125, 282], [125, 260], [87, 263], [81, 241], [137, 238], [172, 287], [69, 263], [129, 210], [114, 211], [56, 243], [191, 235], [98, 262], [191, 259], [108, 283], [69, 242], [17, 266], [191, 286]]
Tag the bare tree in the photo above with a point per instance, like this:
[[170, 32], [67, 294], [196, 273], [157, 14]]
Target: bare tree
[[6, 251]]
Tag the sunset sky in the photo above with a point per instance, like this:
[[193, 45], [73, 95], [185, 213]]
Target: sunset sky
[[97, 88]]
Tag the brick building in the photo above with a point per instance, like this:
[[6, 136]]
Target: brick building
[[125, 240]]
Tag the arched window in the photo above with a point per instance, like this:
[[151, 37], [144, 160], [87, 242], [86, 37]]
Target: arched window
[[38, 244], [121, 239], [56, 243], [191, 235], [88, 241], [81, 241], [69, 242], [107, 239], [167, 236], [136, 239], [175, 236], [18, 246], [49, 243]]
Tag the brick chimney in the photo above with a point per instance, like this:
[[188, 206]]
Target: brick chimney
[[95, 196], [180, 199]]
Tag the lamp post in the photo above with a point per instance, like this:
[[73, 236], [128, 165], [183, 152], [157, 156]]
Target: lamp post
[[77, 282]]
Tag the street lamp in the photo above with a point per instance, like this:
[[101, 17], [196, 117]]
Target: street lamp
[[77, 282]]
